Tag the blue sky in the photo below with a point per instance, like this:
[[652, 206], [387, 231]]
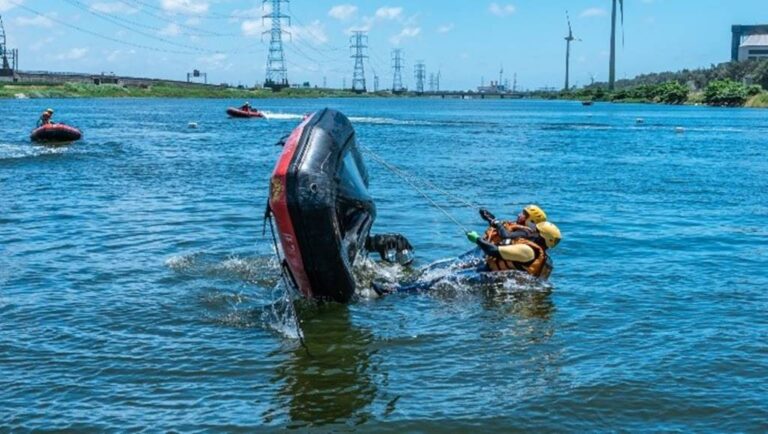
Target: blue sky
[[465, 40]]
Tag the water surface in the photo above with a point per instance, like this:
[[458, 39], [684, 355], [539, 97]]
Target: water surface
[[137, 288]]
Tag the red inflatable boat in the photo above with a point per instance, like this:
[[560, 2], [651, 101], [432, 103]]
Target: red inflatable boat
[[238, 113], [320, 201], [55, 133]]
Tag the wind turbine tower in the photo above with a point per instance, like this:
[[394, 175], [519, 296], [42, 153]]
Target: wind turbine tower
[[568, 40]]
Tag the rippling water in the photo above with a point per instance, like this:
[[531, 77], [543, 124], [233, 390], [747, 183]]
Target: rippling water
[[137, 289]]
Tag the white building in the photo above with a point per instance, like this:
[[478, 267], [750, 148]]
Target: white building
[[754, 47]]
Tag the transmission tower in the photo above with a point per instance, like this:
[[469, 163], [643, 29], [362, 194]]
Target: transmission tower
[[7, 66], [375, 82], [277, 73], [358, 42], [437, 81], [397, 69], [420, 73], [432, 81]]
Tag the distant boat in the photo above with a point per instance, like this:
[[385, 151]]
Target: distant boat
[[587, 103], [240, 113]]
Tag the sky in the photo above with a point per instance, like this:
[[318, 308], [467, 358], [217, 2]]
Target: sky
[[466, 41]]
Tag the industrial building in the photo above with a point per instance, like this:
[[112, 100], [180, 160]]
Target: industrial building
[[749, 42]]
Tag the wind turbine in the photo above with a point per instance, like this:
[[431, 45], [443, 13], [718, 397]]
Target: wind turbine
[[568, 40], [612, 66]]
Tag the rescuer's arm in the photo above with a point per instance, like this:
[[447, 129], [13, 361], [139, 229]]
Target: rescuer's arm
[[517, 253]]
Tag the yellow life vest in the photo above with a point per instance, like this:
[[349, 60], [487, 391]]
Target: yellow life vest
[[540, 266]]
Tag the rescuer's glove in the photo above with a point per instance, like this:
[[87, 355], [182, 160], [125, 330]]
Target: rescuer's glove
[[487, 216], [473, 237]]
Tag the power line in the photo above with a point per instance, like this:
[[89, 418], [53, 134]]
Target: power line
[[210, 16], [98, 35], [202, 32], [76, 3]]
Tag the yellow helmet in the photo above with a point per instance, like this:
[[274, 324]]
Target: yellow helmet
[[550, 233], [536, 214]]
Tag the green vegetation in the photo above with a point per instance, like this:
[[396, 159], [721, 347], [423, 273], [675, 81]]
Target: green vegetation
[[164, 90], [721, 85]]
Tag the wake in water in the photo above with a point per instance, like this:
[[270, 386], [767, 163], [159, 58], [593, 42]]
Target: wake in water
[[20, 150], [456, 275], [237, 309]]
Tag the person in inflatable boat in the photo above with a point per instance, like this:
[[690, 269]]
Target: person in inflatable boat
[[246, 107], [45, 118]]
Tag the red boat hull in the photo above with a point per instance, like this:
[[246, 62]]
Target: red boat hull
[[55, 133], [237, 113], [321, 205]]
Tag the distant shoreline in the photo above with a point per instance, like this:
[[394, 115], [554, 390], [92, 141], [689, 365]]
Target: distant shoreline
[[80, 90]]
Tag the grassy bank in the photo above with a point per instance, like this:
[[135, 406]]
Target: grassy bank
[[78, 90], [760, 101]]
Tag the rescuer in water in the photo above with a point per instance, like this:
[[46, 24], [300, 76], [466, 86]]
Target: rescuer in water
[[522, 246], [45, 118]]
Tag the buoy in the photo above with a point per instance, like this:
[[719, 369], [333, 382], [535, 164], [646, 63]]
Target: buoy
[[679, 130], [192, 125], [639, 121]]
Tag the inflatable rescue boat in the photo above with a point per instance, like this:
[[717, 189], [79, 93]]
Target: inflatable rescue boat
[[321, 205], [238, 113], [55, 133]]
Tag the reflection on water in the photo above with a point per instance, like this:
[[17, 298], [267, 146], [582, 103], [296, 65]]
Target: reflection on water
[[331, 379]]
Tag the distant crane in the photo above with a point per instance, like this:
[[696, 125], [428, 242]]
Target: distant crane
[[568, 40], [9, 58]]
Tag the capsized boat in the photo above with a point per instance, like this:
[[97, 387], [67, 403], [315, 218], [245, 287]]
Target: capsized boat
[[55, 133], [321, 205], [240, 113]]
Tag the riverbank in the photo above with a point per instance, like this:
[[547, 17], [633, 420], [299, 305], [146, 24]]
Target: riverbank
[[79, 90]]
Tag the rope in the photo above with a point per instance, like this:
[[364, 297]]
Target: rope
[[405, 178], [429, 183]]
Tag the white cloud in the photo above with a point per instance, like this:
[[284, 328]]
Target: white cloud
[[171, 29], [36, 21], [593, 12], [6, 5], [314, 33], [343, 12], [73, 54], [119, 55], [407, 32], [445, 28], [216, 61], [388, 13], [253, 27], [191, 7], [113, 8], [40, 44], [502, 10]]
